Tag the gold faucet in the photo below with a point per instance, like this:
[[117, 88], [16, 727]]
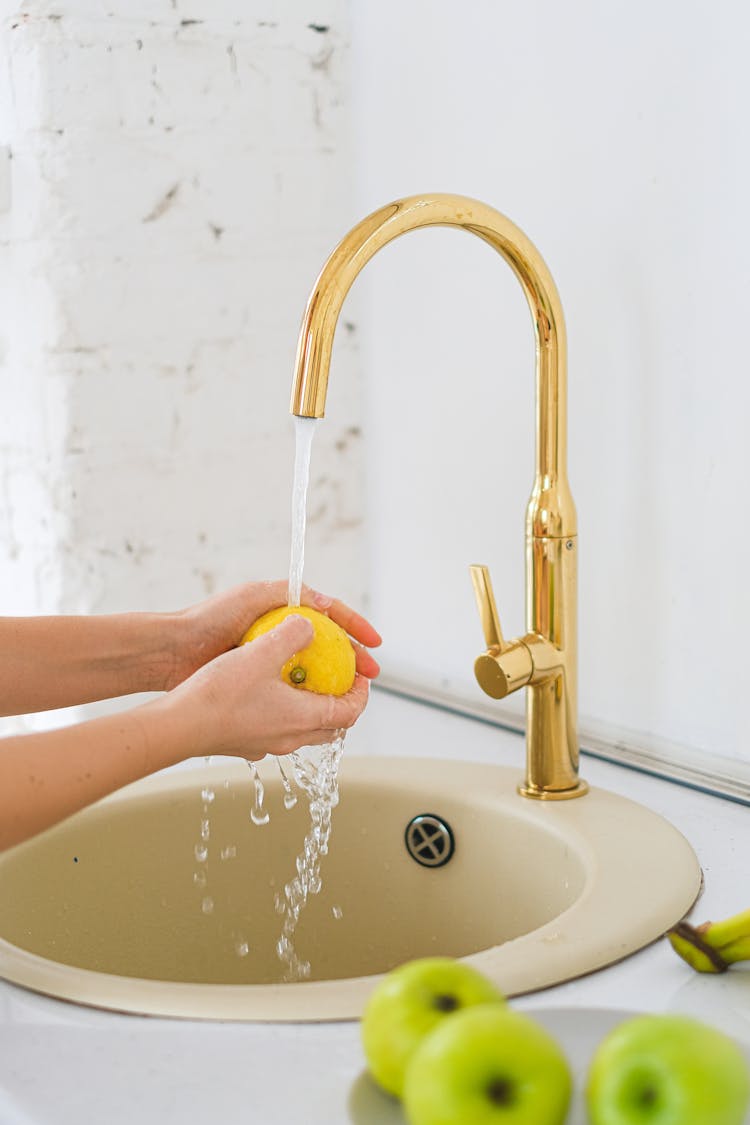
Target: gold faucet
[[545, 658]]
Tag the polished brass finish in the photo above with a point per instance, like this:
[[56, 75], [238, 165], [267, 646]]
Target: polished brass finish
[[485, 595], [504, 668], [551, 606], [501, 673], [545, 659]]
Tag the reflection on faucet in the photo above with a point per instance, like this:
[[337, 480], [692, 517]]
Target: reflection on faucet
[[545, 659]]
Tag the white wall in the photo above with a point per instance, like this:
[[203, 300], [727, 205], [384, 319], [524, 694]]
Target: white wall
[[179, 172], [615, 136]]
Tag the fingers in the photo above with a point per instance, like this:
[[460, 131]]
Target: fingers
[[354, 624], [315, 711], [367, 665], [325, 711], [276, 594], [349, 620], [335, 714], [342, 711], [280, 644]]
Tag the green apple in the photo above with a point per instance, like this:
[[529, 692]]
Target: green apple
[[408, 1003], [488, 1065], [658, 1069]]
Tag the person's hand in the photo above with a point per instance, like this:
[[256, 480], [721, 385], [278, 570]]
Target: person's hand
[[215, 626], [238, 704]]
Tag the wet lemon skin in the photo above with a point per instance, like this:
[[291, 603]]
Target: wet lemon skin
[[327, 666]]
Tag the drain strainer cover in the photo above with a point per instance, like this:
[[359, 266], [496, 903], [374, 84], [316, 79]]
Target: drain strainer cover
[[429, 840]]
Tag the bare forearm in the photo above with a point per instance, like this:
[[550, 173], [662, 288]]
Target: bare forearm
[[46, 777], [236, 704], [50, 662]]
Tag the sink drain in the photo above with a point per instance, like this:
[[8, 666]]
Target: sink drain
[[429, 840]]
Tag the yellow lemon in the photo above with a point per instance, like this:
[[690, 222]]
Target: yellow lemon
[[327, 665]]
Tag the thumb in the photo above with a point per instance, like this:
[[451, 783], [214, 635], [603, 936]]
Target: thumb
[[292, 635]]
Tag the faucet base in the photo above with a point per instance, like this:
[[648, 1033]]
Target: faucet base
[[537, 794]]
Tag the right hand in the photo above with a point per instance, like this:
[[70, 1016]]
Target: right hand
[[238, 704]]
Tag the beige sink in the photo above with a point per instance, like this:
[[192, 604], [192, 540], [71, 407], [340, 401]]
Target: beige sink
[[104, 909]]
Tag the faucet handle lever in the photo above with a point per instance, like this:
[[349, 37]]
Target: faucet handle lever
[[505, 667], [493, 635]]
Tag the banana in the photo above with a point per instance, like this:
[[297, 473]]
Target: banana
[[713, 946]]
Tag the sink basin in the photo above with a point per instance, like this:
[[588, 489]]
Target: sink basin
[[105, 910]]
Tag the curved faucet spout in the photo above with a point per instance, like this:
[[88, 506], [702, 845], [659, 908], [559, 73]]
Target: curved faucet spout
[[551, 511], [552, 764]]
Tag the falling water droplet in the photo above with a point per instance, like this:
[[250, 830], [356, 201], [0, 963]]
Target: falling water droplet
[[290, 797], [201, 853], [207, 906], [229, 852], [337, 912], [258, 814], [199, 878], [208, 795], [242, 949]]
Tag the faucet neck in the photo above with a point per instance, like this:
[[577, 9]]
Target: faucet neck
[[551, 511]]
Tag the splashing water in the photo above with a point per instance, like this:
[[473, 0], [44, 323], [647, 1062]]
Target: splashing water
[[317, 775], [304, 429]]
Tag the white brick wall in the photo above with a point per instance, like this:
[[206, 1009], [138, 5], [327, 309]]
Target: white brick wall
[[179, 172]]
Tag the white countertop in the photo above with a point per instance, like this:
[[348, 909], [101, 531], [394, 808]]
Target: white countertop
[[61, 1064]]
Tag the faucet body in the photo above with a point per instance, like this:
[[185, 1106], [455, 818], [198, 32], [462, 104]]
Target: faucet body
[[545, 659]]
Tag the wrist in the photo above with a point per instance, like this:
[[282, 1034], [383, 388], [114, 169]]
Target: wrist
[[170, 729], [163, 670]]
